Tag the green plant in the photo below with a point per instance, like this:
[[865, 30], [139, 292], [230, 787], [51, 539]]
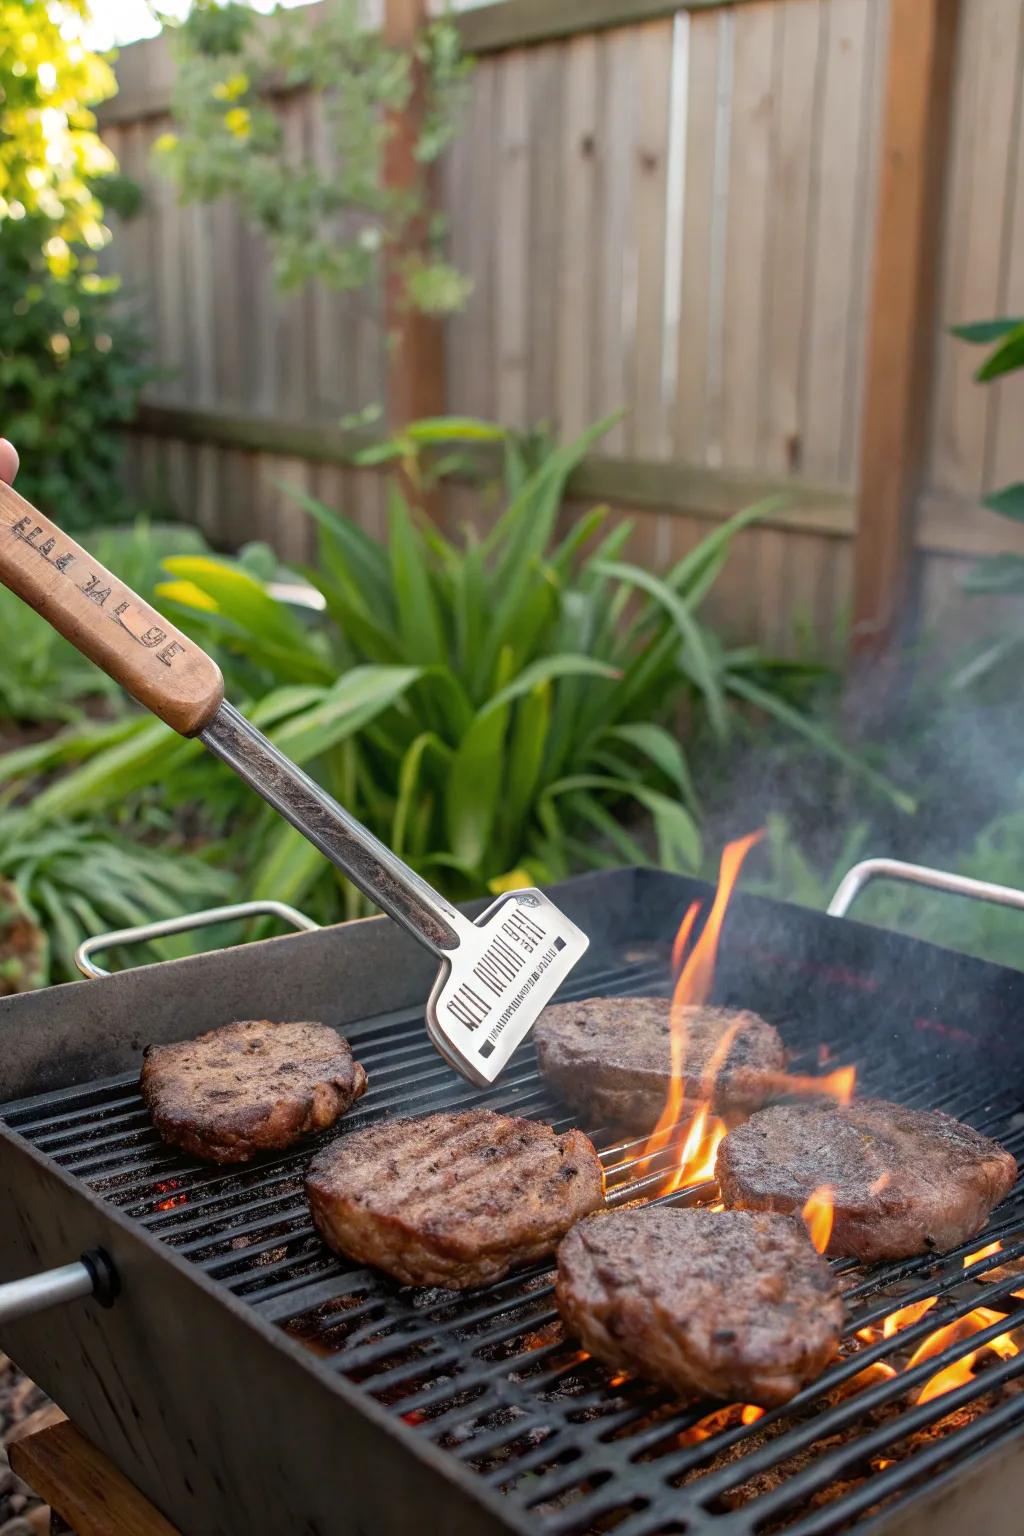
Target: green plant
[[44, 679], [50, 153], [78, 879], [497, 708], [783, 869], [998, 573], [70, 361], [23, 947], [229, 142]]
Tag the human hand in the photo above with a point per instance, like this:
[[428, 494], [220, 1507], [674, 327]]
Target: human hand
[[8, 461]]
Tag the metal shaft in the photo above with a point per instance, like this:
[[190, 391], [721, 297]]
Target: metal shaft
[[20, 1298], [368, 862]]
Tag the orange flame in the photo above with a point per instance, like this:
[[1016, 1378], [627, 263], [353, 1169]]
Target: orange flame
[[695, 975], [720, 1418], [818, 1213], [961, 1329]]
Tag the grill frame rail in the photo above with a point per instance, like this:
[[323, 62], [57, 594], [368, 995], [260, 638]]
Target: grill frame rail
[[235, 1334]]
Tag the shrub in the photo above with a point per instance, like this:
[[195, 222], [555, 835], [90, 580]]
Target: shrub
[[70, 363], [497, 709]]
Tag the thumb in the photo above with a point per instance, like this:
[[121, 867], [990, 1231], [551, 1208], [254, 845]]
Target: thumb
[[8, 461]]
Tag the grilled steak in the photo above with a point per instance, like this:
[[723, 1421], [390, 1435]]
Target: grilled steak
[[610, 1058], [249, 1087], [452, 1199], [904, 1181], [732, 1304]]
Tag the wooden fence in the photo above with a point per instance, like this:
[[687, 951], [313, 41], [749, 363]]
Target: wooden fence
[[726, 217]]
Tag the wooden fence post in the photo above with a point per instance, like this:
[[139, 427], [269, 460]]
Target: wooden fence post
[[415, 341], [915, 136]]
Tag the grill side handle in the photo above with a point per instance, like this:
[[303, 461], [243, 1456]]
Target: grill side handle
[[855, 879], [91, 1275], [167, 926]]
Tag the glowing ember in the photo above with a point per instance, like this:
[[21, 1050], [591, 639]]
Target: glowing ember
[[818, 1213], [882, 1182], [718, 1420], [982, 1253]]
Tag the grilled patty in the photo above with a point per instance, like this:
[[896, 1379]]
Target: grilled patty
[[452, 1199], [731, 1304], [904, 1181], [249, 1087], [610, 1058]]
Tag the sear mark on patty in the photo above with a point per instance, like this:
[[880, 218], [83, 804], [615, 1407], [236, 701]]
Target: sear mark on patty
[[904, 1181], [452, 1199], [730, 1304], [249, 1087], [610, 1058]]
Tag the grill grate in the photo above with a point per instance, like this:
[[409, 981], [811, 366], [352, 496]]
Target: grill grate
[[489, 1375]]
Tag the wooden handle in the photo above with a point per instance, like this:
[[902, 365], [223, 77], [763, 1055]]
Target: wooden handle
[[105, 620]]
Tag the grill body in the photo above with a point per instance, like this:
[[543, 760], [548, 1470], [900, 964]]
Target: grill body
[[245, 1379]]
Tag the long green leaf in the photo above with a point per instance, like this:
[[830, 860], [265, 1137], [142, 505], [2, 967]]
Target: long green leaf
[[655, 743], [475, 785], [525, 759], [1009, 502], [1007, 357], [419, 622], [354, 700], [546, 669], [981, 332], [804, 726], [695, 658]]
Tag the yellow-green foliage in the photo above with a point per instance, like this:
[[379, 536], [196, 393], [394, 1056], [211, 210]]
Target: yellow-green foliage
[[49, 148]]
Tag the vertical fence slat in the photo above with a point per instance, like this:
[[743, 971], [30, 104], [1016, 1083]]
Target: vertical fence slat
[[796, 60], [921, 38], [690, 434], [986, 88], [644, 426], [1006, 442], [748, 216], [511, 265], [836, 243], [617, 308], [576, 268], [544, 222]]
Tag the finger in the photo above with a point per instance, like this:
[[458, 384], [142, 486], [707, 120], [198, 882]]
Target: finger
[[8, 461]]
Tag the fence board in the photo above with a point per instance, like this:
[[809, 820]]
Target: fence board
[[838, 244], [512, 173], [796, 81], [984, 109], [747, 239], [644, 425], [691, 427], [577, 301], [747, 375]]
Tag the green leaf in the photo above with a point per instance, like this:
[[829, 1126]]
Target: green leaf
[[1009, 502], [525, 758], [663, 751], [455, 429], [419, 622], [818, 737], [410, 792], [696, 659], [288, 868], [355, 699], [980, 332], [1007, 357], [241, 598], [545, 669], [998, 573], [474, 785]]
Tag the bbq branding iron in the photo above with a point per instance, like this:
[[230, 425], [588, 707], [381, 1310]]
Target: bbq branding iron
[[496, 974]]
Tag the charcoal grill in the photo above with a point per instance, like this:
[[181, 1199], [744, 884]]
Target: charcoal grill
[[247, 1380]]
